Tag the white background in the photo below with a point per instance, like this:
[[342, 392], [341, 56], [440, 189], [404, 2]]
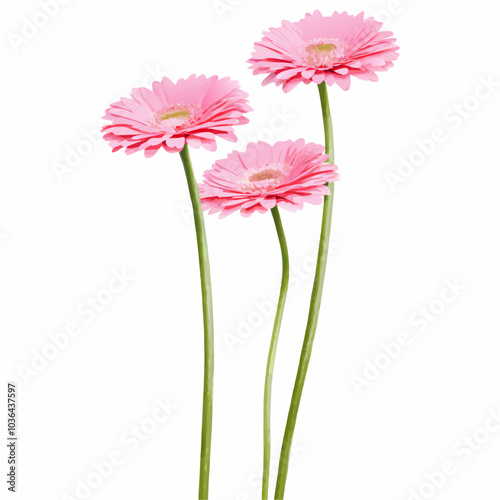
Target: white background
[[394, 250]]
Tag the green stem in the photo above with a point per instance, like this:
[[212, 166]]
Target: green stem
[[272, 351], [314, 308], [208, 325]]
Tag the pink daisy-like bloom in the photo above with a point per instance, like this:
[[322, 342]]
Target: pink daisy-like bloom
[[324, 49], [193, 111], [286, 174]]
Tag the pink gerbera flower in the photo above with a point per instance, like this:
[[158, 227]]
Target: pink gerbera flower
[[193, 111], [286, 174], [324, 49]]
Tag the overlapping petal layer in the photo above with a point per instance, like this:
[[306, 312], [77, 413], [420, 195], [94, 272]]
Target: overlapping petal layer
[[194, 111], [327, 49], [285, 174]]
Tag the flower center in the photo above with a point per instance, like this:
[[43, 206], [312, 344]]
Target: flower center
[[169, 115], [175, 117], [265, 175], [264, 178], [324, 52]]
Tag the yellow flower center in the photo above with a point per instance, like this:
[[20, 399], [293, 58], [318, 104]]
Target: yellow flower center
[[176, 117], [321, 47], [183, 114], [321, 53]]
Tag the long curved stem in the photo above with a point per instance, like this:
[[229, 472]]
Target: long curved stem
[[208, 326], [272, 351], [314, 308]]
